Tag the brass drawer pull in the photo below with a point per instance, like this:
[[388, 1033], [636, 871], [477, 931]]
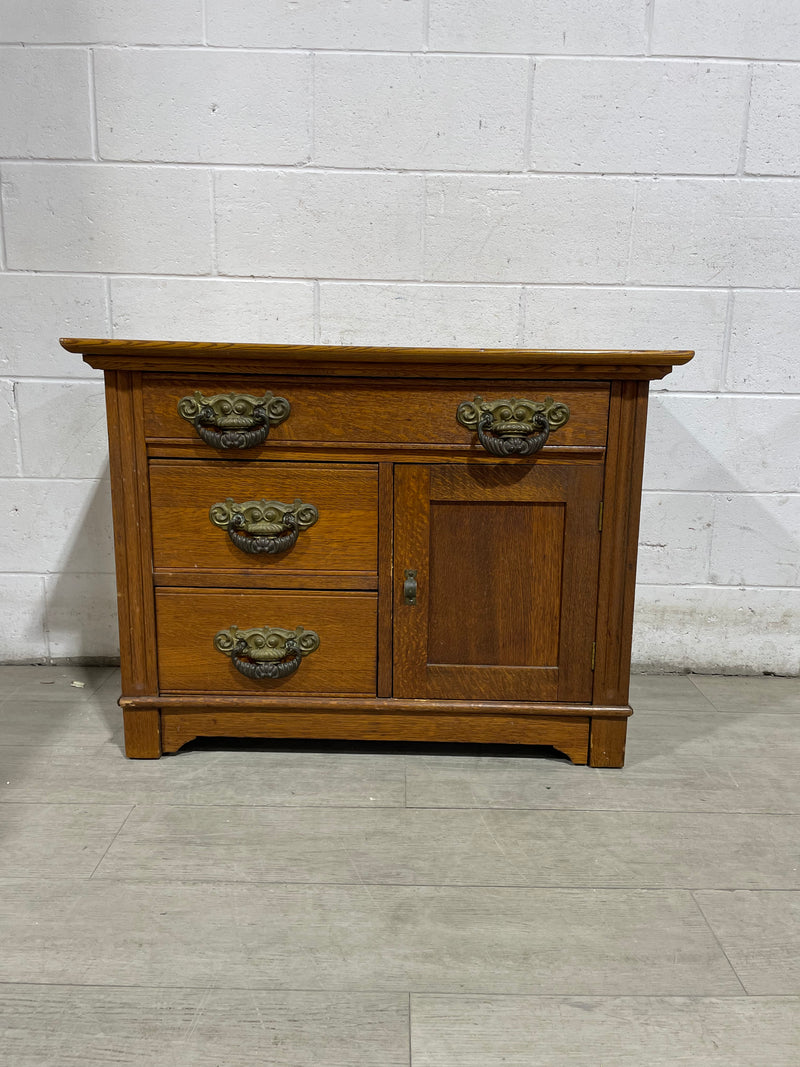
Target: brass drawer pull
[[233, 420], [263, 526], [266, 651], [513, 427]]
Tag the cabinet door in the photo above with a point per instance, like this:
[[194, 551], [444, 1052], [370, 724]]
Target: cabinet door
[[506, 564]]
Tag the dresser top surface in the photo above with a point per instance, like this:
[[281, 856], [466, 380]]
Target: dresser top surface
[[216, 357]]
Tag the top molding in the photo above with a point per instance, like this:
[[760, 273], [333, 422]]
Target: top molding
[[364, 361]]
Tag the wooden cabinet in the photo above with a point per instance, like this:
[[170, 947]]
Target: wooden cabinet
[[375, 543]]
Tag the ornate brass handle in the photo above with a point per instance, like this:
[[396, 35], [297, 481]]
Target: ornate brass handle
[[513, 427], [263, 526], [233, 420], [266, 651]]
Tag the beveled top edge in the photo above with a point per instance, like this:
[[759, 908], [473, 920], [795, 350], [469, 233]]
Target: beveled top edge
[[365, 353]]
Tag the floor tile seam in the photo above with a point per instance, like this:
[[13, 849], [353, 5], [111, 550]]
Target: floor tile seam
[[739, 997], [151, 806], [537, 887], [113, 839], [224, 988], [64, 803], [409, 1031], [717, 941], [713, 711], [612, 811], [401, 993], [225, 807], [511, 887], [399, 807]]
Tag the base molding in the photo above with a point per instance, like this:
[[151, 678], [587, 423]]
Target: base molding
[[584, 733]]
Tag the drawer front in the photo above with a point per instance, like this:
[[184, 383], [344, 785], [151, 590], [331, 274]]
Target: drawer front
[[350, 411], [342, 540], [187, 621]]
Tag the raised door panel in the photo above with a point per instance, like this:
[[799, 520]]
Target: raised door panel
[[506, 569]]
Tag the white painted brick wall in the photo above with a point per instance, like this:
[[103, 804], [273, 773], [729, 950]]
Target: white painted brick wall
[[758, 29], [554, 173], [611, 27], [102, 22], [54, 122], [216, 309], [420, 112], [638, 116], [773, 133], [185, 106], [323, 24], [501, 228], [600, 317], [322, 224], [764, 342], [353, 313], [715, 232]]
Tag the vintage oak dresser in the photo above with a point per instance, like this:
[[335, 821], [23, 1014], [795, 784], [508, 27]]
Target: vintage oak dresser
[[375, 543]]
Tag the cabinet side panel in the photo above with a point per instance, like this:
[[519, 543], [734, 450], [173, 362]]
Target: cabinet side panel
[[132, 547], [622, 501]]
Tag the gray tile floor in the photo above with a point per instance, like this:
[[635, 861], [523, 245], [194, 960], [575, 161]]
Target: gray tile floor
[[349, 905]]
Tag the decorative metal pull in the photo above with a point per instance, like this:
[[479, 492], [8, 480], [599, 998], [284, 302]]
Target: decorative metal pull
[[266, 651], [263, 526], [410, 588], [512, 427], [233, 420]]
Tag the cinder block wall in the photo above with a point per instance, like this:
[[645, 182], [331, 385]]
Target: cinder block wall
[[565, 173]]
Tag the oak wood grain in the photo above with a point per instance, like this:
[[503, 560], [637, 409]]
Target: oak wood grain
[[363, 412], [507, 568], [374, 361], [373, 705], [133, 555], [570, 736], [607, 742], [515, 581], [617, 574], [343, 539], [189, 619], [375, 452], [385, 576]]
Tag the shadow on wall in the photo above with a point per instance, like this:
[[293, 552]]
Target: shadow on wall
[[81, 602], [739, 612]]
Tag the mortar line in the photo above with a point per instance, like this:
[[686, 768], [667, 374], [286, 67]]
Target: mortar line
[[649, 16], [527, 151], [109, 310], [648, 287], [377, 170], [3, 257], [94, 130], [632, 57], [726, 341], [740, 168]]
